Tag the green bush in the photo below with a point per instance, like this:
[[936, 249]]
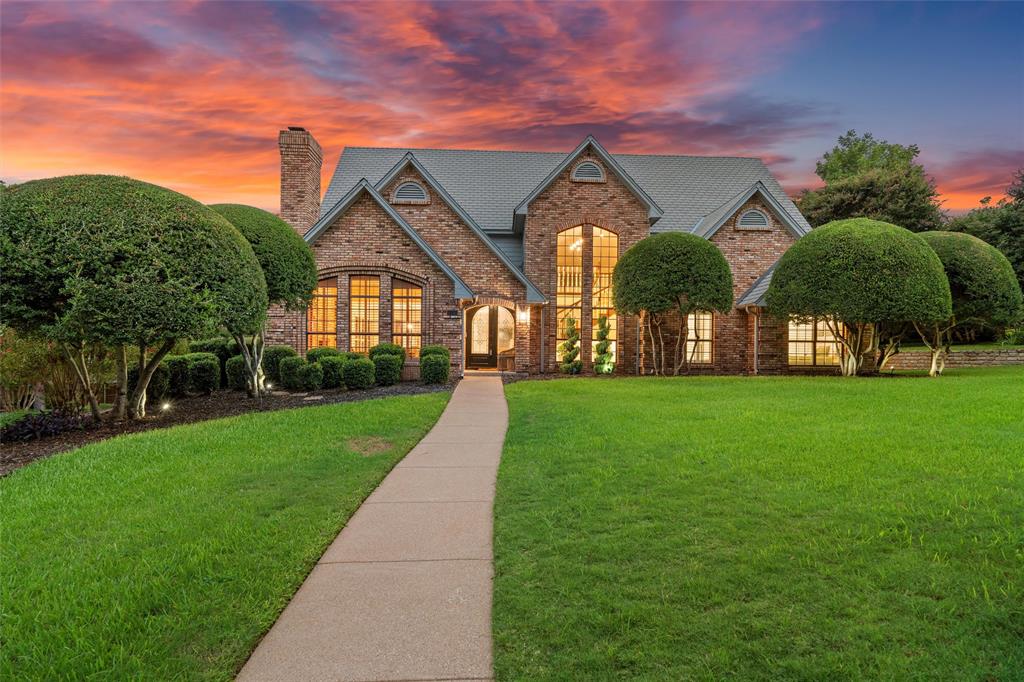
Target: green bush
[[334, 367], [388, 369], [272, 357], [177, 374], [236, 371], [317, 354], [159, 383], [352, 355], [570, 349], [435, 349], [203, 372], [311, 376], [224, 349], [387, 349], [359, 373], [434, 368], [290, 369]]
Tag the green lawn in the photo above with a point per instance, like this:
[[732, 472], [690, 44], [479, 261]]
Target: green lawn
[[763, 529], [167, 554]]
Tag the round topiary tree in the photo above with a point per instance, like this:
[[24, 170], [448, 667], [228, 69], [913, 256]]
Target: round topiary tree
[[670, 272], [288, 268], [983, 285], [855, 274], [98, 258]]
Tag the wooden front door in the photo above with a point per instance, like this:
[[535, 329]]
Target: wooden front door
[[482, 337]]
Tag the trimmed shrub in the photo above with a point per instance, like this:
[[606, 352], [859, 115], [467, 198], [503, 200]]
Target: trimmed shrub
[[334, 367], [352, 355], [387, 349], [388, 368], [235, 368], [318, 354], [359, 373], [272, 357], [859, 272], [435, 349], [177, 374], [311, 376], [159, 383], [224, 349], [203, 372], [434, 369], [570, 349], [290, 369]]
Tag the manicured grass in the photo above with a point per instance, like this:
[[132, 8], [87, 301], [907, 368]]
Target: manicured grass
[[986, 345], [763, 529], [167, 554]]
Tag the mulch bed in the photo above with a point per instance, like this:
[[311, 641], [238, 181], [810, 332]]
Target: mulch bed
[[222, 403]]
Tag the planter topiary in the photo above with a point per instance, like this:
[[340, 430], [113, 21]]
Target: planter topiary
[[290, 369], [203, 372], [359, 373], [311, 376], [435, 349], [334, 367], [434, 369], [272, 357], [388, 369], [387, 349], [235, 369], [321, 352]]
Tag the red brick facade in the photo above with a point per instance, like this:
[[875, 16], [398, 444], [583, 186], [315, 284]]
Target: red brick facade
[[366, 240]]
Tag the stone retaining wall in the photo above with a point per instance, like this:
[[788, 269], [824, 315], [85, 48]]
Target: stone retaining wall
[[963, 358]]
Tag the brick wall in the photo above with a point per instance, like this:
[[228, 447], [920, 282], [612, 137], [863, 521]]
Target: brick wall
[[565, 204], [963, 358], [366, 241], [301, 161]]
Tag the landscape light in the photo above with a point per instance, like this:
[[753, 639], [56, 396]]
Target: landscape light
[[165, 407]]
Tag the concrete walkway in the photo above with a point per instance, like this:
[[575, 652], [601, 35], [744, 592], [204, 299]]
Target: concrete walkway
[[404, 591]]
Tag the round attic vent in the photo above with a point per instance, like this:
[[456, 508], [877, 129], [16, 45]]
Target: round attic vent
[[410, 193]]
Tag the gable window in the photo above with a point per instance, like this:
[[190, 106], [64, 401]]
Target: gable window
[[410, 193], [407, 316], [812, 344], [606, 254], [322, 315], [364, 312], [700, 337], [569, 290], [753, 220], [588, 171]]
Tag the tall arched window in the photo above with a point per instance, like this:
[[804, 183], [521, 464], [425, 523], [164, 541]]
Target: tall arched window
[[569, 275], [606, 254]]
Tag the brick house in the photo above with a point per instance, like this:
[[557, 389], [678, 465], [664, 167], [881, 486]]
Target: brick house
[[489, 252]]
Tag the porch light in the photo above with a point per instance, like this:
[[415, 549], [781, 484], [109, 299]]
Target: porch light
[[523, 314]]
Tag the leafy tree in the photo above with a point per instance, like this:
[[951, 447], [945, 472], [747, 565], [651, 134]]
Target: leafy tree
[[1001, 225], [571, 364], [603, 362], [290, 273], [857, 154], [902, 198], [111, 260], [983, 286], [856, 274], [670, 272]]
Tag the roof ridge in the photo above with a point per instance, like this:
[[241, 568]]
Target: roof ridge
[[539, 151]]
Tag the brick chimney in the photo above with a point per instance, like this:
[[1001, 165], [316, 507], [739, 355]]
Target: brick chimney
[[301, 159]]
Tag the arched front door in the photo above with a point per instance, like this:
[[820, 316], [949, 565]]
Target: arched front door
[[490, 334]]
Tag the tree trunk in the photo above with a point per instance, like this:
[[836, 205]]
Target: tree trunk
[[643, 323], [676, 361], [121, 401], [137, 401], [81, 367], [254, 378]]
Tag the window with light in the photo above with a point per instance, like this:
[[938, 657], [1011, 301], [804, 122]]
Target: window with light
[[606, 254], [812, 344], [407, 316], [364, 313], [569, 274], [700, 337], [322, 315]]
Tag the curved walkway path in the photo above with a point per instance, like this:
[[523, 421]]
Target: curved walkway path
[[404, 591]]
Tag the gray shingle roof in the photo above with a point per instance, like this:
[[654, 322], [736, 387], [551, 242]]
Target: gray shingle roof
[[756, 293], [490, 184]]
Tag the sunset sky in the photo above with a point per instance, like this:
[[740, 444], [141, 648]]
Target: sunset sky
[[191, 95]]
